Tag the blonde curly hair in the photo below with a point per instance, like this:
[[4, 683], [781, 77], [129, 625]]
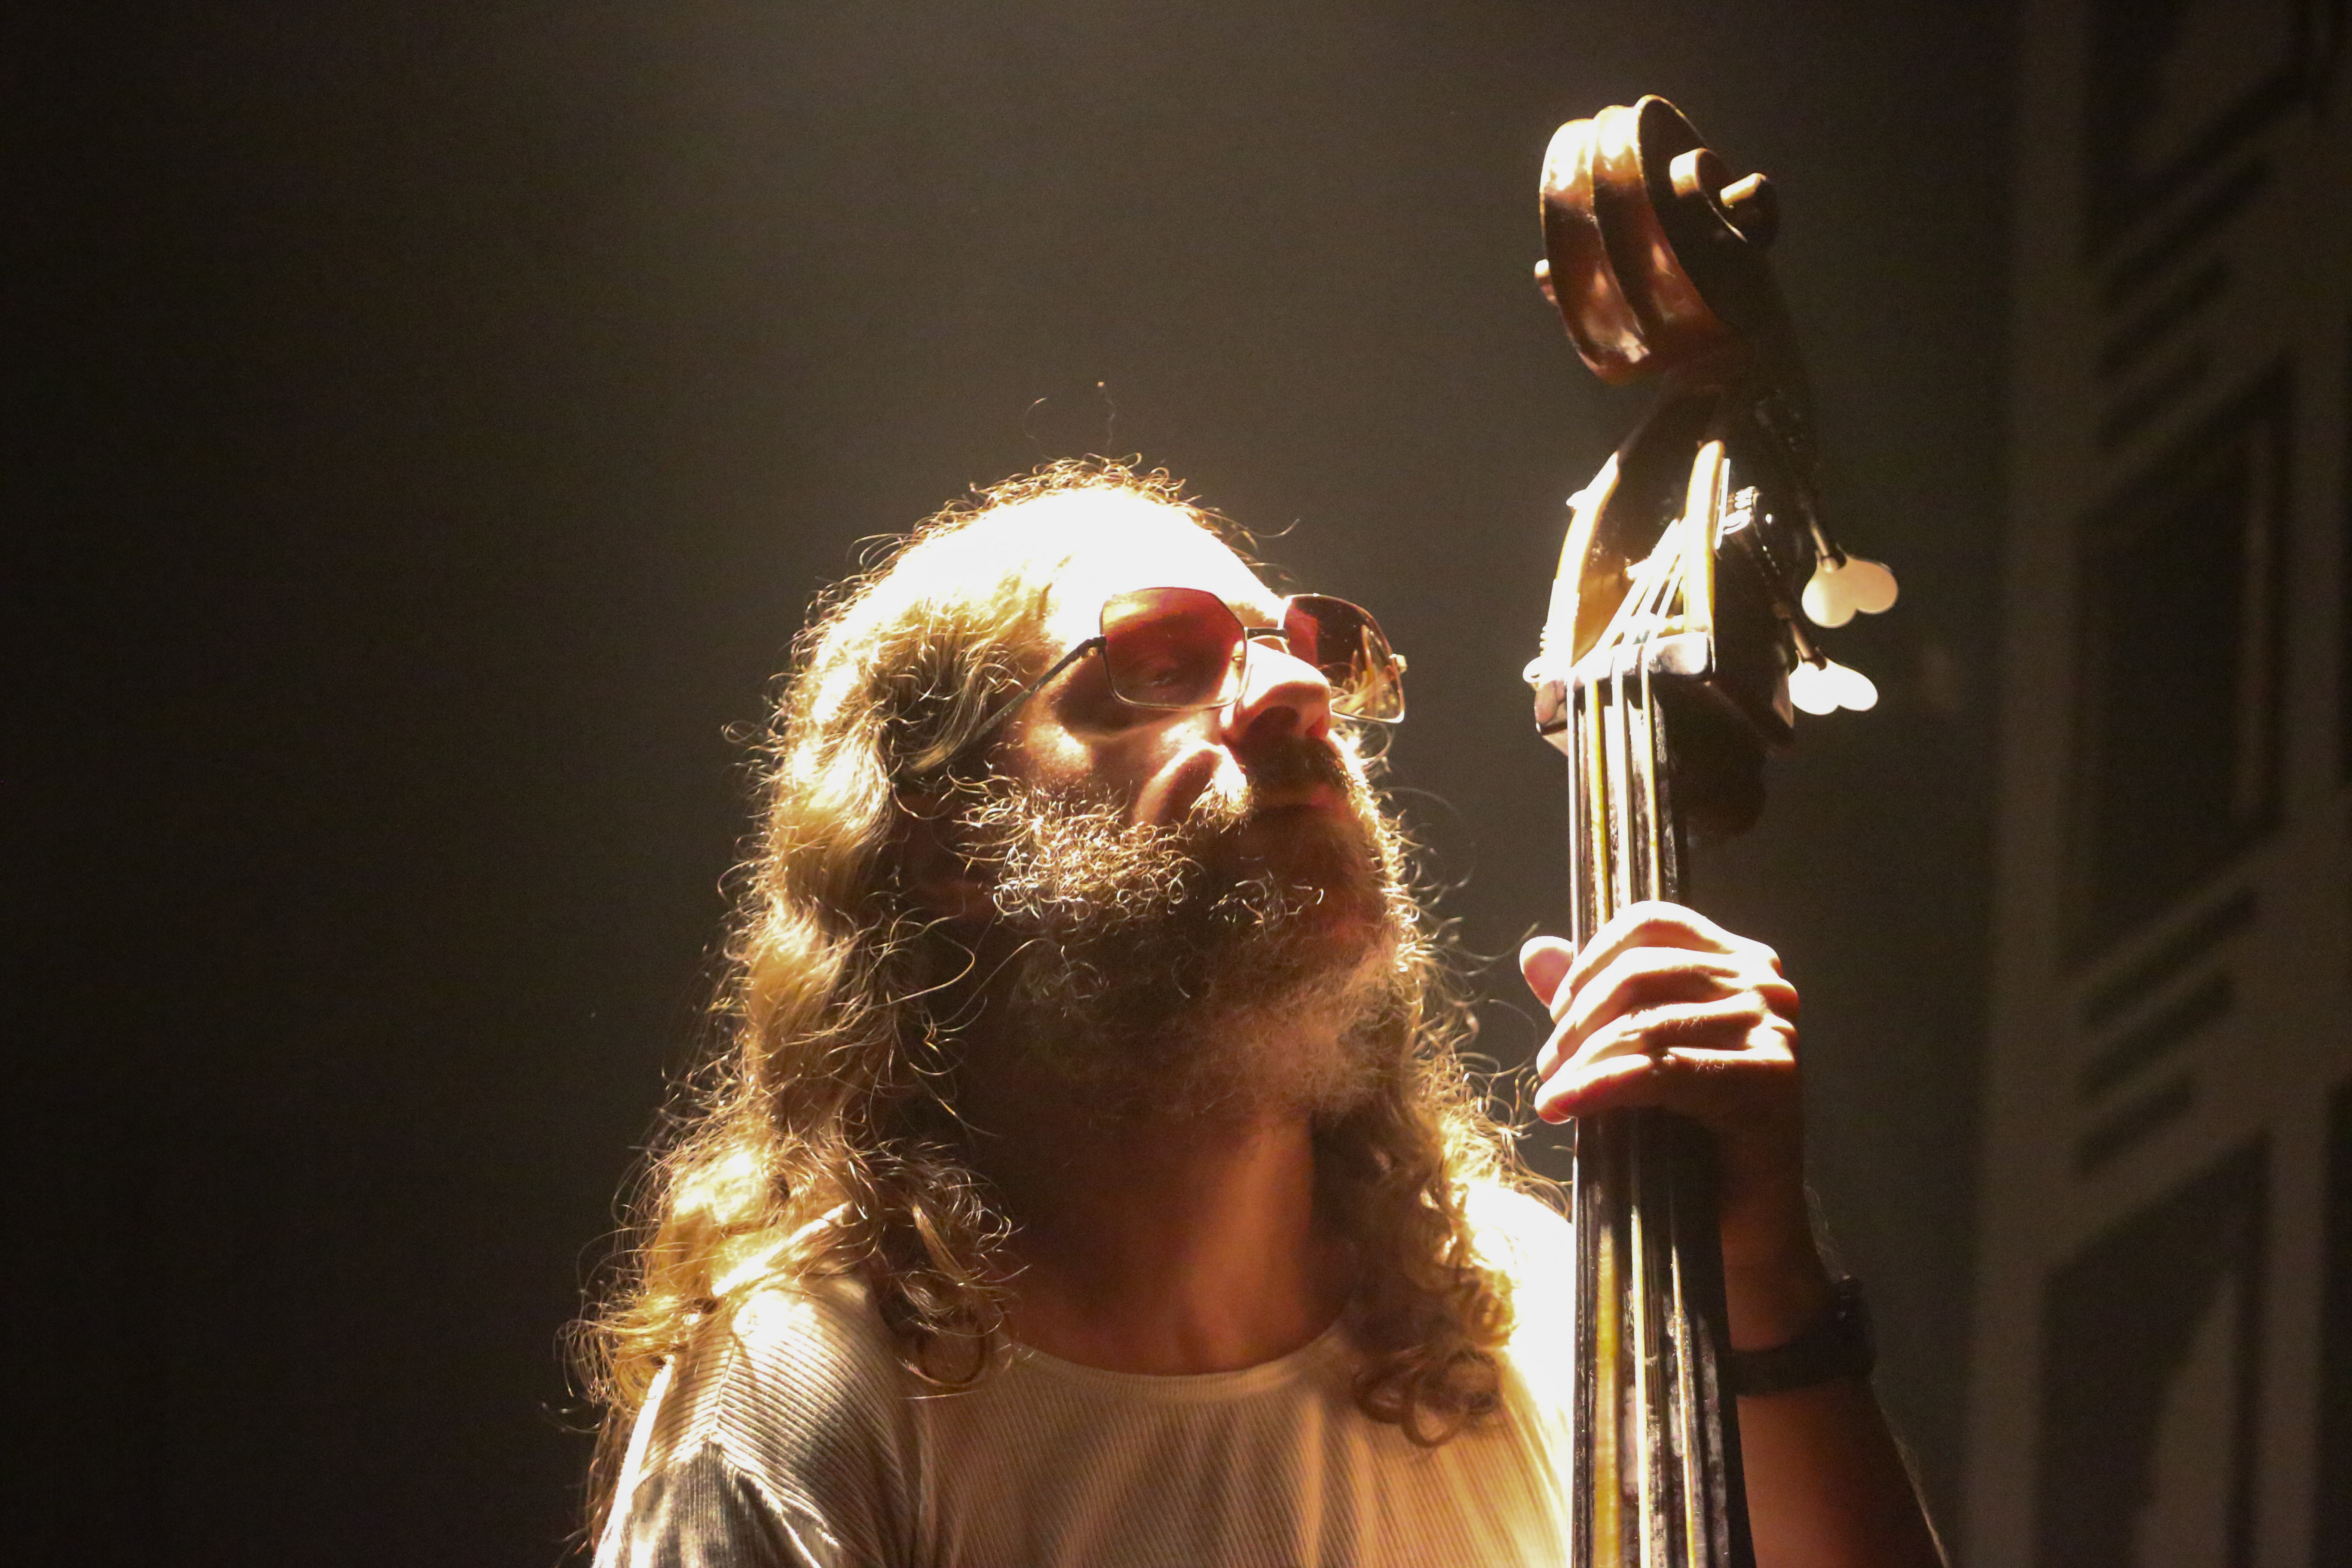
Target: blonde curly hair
[[822, 1139]]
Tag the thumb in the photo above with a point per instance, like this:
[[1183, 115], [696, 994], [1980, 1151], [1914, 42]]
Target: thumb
[[1544, 961]]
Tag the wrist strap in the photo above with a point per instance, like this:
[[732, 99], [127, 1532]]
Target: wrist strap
[[1836, 1345]]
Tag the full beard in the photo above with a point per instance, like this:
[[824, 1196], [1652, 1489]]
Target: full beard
[[1174, 971]]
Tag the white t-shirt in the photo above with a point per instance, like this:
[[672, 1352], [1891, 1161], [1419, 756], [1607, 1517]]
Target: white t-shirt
[[788, 1434]]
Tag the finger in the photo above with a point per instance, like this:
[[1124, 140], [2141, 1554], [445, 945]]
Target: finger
[[1651, 924], [1640, 987], [1731, 1091], [1544, 961], [1672, 1080], [1732, 1023], [1599, 1085], [1646, 976]]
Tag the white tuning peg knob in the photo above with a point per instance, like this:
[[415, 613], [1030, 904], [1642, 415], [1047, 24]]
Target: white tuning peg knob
[[1837, 590], [1826, 687]]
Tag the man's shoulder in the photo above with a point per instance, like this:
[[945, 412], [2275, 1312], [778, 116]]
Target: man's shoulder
[[823, 1327], [789, 1369], [783, 1422]]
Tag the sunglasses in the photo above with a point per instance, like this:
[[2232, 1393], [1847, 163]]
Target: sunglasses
[[1184, 648]]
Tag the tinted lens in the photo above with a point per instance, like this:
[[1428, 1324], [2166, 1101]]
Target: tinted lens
[[1173, 647], [1345, 643]]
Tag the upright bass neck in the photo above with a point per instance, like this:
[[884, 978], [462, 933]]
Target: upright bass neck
[[1672, 660]]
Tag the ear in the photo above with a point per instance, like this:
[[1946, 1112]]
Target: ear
[[932, 867]]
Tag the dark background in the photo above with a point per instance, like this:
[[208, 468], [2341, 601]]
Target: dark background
[[425, 425]]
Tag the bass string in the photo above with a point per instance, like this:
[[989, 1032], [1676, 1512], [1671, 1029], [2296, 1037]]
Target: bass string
[[1650, 1239], [1641, 1239], [1595, 1495], [1601, 1535], [1616, 1495], [1681, 1460]]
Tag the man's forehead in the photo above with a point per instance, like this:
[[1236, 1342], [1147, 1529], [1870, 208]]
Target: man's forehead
[[1136, 542]]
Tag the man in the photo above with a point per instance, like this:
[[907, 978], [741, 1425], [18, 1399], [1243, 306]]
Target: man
[[1091, 1179]]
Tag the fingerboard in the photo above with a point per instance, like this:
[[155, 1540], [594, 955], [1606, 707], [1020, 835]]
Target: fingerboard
[[1658, 1472]]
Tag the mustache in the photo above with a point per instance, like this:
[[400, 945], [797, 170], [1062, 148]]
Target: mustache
[[1296, 763]]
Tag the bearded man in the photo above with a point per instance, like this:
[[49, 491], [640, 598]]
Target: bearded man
[[1091, 1178]]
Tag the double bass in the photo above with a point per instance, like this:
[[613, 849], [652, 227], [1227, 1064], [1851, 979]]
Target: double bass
[[1683, 636]]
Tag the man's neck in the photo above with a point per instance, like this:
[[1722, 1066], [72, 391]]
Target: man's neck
[[1167, 1247]]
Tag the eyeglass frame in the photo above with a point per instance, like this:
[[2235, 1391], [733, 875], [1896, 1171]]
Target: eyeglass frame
[[1249, 635]]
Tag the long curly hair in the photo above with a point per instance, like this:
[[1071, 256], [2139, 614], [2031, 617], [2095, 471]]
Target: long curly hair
[[822, 1140]]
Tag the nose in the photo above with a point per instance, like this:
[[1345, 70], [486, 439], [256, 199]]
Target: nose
[[1282, 696]]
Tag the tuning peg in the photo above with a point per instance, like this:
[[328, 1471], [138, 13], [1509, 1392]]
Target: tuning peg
[[1839, 588], [1826, 687]]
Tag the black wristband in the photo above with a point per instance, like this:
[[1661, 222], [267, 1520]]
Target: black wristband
[[1837, 1344]]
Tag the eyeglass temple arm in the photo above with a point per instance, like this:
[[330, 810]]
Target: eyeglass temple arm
[[1012, 704]]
